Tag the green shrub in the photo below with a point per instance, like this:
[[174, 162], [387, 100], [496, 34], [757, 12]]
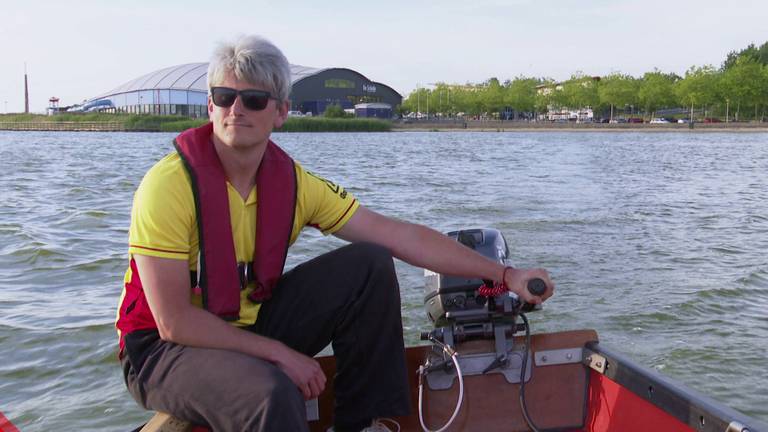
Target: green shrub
[[334, 111], [322, 124], [181, 125]]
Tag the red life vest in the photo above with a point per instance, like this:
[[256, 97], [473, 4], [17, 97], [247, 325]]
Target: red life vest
[[219, 278]]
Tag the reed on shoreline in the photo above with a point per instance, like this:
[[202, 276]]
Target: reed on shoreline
[[156, 123], [322, 124], [98, 122]]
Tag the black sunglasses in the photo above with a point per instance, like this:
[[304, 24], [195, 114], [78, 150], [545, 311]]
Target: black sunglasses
[[254, 100]]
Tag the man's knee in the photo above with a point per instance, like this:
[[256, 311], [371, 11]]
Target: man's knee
[[279, 388], [230, 391], [275, 400], [377, 269], [277, 391]]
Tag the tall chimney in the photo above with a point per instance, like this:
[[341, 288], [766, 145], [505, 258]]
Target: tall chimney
[[26, 91]]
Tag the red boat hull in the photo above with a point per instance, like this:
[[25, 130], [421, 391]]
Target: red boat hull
[[614, 408]]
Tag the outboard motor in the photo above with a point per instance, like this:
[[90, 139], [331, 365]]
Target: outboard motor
[[455, 299], [455, 305], [461, 314]]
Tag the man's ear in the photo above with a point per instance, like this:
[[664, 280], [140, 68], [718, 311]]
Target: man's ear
[[282, 113]]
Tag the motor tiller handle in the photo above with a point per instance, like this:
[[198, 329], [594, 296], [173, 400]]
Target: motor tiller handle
[[537, 287]]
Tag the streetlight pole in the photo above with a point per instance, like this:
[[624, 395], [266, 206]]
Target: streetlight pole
[[450, 110], [418, 101]]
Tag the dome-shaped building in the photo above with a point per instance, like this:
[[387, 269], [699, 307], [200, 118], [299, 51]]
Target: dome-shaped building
[[181, 90]]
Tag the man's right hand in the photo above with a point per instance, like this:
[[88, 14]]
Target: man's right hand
[[304, 371]]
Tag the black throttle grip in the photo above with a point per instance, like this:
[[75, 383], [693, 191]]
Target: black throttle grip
[[537, 287]]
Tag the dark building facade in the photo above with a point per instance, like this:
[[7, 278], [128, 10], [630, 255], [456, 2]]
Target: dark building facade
[[320, 88]]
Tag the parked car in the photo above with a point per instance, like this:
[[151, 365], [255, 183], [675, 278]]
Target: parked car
[[659, 121], [634, 120], [712, 120], [618, 120]]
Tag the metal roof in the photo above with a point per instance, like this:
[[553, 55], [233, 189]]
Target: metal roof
[[190, 76], [373, 105]]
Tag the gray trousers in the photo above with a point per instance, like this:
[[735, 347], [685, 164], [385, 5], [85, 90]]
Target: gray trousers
[[348, 297]]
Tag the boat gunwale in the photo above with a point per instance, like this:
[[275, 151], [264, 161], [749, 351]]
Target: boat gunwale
[[698, 411]]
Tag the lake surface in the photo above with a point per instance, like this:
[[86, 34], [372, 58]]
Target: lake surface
[[656, 240]]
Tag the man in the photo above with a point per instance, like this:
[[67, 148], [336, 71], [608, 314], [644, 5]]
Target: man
[[210, 329]]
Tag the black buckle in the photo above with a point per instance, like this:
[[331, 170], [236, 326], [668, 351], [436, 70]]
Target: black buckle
[[245, 271]]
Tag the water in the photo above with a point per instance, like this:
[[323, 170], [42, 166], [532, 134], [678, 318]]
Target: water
[[658, 241]]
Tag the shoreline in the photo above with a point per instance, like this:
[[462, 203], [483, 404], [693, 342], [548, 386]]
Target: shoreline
[[513, 126], [445, 126]]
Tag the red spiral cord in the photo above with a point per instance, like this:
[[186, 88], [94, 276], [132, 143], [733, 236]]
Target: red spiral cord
[[497, 289], [492, 291]]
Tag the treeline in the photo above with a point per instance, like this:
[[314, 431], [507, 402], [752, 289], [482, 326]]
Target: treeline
[[737, 90]]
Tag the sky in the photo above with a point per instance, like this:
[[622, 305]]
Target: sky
[[75, 50]]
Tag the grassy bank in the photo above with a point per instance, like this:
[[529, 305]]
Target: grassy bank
[[156, 123], [98, 121], [321, 124]]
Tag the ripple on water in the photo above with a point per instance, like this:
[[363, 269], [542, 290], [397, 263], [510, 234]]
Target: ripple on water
[[728, 250], [95, 265], [35, 252], [757, 279], [12, 227]]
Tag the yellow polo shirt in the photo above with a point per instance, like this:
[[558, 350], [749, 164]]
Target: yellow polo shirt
[[164, 221]]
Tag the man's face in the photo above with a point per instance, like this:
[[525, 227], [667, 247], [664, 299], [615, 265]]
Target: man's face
[[240, 128]]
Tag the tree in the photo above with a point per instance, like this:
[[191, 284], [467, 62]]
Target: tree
[[745, 83], [762, 54], [751, 52], [545, 93], [443, 95], [417, 100], [657, 91], [492, 96], [521, 94], [764, 90], [473, 101], [699, 87], [580, 91], [459, 99], [617, 90]]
